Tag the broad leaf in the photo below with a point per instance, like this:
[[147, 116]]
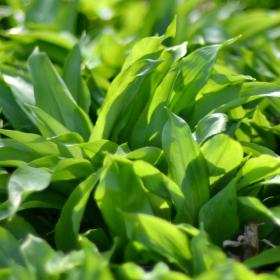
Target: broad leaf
[[161, 237], [120, 189], [222, 155], [219, 215], [186, 165], [23, 181]]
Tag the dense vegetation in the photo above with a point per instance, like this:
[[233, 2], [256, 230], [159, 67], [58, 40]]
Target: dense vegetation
[[139, 139]]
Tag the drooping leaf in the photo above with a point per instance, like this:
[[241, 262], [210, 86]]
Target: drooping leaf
[[232, 97], [24, 180], [210, 126]]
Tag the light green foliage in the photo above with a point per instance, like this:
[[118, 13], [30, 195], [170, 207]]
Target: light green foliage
[[139, 139]]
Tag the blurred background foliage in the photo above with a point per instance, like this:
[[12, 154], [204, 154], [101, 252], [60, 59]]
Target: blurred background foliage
[[106, 30]]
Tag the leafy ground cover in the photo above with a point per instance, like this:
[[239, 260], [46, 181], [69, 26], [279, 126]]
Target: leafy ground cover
[[139, 139]]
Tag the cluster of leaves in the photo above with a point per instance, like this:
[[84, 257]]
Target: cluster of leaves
[[139, 139]]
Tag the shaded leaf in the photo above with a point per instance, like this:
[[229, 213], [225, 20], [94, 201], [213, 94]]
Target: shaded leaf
[[186, 165]]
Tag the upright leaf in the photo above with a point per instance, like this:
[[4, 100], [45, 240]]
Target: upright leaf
[[219, 215], [11, 109], [125, 100], [186, 165], [196, 70], [120, 189], [153, 117], [53, 96], [9, 249], [73, 79], [205, 254]]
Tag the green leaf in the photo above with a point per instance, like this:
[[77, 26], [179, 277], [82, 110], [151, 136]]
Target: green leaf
[[47, 125], [222, 155], [252, 209], [186, 165], [9, 249], [256, 150], [63, 264], [55, 43], [71, 169], [33, 141], [266, 257], [161, 237], [251, 23], [11, 109], [23, 181], [196, 70], [232, 97], [142, 48], [53, 97], [257, 169], [161, 271], [159, 184], [210, 126], [18, 227], [22, 90], [225, 226], [72, 214], [125, 100], [73, 79], [205, 254], [36, 253], [149, 154], [120, 189], [232, 269], [52, 15], [149, 126], [96, 151], [100, 270], [13, 153]]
